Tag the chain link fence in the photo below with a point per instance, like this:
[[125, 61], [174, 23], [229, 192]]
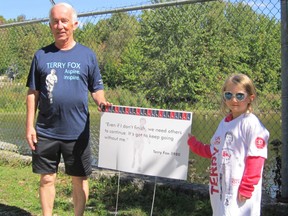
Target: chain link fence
[[172, 55]]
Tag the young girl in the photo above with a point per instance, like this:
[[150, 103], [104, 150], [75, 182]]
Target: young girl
[[237, 151]]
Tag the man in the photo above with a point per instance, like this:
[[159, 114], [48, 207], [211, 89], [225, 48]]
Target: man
[[62, 126]]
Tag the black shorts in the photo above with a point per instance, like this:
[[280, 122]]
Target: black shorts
[[76, 155]]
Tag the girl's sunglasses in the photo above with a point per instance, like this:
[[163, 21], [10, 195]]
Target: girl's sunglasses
[[240, 96]]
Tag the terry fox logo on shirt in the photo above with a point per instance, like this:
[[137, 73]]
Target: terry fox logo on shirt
[[260, 143], [217, 140]]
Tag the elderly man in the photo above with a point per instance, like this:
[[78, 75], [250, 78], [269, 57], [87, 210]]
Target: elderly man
[[62, 126]]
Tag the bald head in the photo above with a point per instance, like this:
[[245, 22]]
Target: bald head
[[67, 6], [63, 23]]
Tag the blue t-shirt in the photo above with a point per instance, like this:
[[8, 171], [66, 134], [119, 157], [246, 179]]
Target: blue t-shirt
[[64, 79]]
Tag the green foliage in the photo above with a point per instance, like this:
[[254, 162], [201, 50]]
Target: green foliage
[[269, 102], [135, 198], [17, 183], [18, 45], [12, 97], [190, 50], [125, 97], [176, 57], [130, 70], [21, 191]]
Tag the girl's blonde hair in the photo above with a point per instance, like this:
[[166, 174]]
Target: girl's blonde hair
[[246, 83]]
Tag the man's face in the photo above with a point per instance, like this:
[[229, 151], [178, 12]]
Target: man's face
[[62, 24]]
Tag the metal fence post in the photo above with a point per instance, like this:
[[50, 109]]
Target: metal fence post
[[284, 74]]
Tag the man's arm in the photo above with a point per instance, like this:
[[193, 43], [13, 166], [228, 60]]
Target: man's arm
[[99, 98], [31, 107]]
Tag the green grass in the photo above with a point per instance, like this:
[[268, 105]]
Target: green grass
[[19, 188]]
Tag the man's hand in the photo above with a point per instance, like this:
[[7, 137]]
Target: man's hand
[[103, 105], [31, 137]]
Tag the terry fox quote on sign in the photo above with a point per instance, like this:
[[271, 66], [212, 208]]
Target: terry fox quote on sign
[[145, 141]]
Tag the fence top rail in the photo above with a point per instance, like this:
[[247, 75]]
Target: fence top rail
[[117, 10]]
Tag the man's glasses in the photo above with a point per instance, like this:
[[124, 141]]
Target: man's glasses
[[240, 96]]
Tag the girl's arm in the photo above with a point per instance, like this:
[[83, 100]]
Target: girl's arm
[[198, 147], [251, 176]]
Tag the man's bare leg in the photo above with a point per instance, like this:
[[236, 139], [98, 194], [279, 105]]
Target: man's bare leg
[[47, 193], [80, 194]]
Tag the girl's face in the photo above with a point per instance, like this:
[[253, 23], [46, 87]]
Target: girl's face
[[238, 103]]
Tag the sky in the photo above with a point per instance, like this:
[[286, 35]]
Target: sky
[[11, 9]]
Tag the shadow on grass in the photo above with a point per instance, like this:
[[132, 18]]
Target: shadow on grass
[[13, 211]]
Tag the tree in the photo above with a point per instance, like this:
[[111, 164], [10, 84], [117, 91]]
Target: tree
[[23, 41], [189, 50], [178, 54], [111, 37]]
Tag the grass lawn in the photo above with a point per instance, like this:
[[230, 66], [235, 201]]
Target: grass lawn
[[19, 191]]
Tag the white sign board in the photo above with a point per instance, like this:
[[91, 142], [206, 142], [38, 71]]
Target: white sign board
[[145, 141]]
